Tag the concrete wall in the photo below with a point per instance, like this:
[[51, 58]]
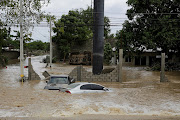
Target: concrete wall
[[11, 54], [32, 75], [89, 77]]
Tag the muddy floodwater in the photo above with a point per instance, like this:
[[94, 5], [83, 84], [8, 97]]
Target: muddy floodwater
[[141, 93]]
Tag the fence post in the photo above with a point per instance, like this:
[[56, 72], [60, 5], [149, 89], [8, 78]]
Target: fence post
[[162, 75], [29, 69], [79, 69], [120, 65]]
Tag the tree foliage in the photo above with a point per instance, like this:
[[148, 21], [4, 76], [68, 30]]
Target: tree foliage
[[31, 10], [155, 25], [74, 28], [108, 53], [37, 45], [31, 13]]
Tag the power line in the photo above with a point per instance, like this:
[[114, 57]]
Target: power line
[[41, 34]]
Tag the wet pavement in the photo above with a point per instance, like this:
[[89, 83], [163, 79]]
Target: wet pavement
[[140, 94]]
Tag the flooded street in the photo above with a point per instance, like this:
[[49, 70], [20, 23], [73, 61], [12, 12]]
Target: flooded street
[[141, 93]]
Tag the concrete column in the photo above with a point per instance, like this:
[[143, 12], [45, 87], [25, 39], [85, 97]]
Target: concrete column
[[79, 69], [29, 69], [147, 60], [115, 59], [120, 65], [98, 37], [162, 75]]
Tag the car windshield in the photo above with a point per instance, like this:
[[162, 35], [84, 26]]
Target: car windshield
[[59, 80], [71, 86]]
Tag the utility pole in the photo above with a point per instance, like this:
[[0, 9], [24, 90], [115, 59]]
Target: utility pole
[[98, 37], [50, 44], [21, 42], [92, 8]]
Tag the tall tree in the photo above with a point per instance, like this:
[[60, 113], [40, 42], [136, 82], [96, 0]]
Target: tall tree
[[70, 30], [155, 25], [74, 28], [3, 35], [32, 13], [87, 15]]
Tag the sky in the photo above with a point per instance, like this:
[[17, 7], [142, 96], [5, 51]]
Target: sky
[[114, 9]]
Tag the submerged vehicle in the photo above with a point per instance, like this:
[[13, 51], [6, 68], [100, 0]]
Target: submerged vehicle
[[55, 82], [84, 87]]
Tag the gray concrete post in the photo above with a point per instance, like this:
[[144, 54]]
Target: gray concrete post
[[120, 65], [162, 75], [147, 60], [79, 69], [115, 59], [29, 69]]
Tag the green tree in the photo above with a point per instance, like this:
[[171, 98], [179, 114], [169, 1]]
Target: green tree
[[87, 17], [75, 28], [3, 35], [155, 25], [70, 30], [31, 11], [37, 45]]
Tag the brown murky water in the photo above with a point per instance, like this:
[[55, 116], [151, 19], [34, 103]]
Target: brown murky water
[[141, 93]]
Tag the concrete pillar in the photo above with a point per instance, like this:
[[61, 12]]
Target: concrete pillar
[[147, 60], [114, 59], [120, 65], [29, 69], [98, 37], [162, 75], [79, 69]]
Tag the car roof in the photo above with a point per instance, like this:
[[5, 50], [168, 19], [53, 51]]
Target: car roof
[[82, 83]]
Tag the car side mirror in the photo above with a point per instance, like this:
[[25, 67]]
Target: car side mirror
[[72, 80]]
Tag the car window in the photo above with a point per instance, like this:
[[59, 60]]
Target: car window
[[97, 87], [86, 87], [59, 80]]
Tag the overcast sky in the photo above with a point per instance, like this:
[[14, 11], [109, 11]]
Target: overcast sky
[[114, 9]]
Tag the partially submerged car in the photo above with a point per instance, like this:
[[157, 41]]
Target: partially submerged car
[[55, 82], [84, 87]]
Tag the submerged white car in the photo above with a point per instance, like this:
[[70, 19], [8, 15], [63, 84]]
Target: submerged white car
[[84, 87]]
